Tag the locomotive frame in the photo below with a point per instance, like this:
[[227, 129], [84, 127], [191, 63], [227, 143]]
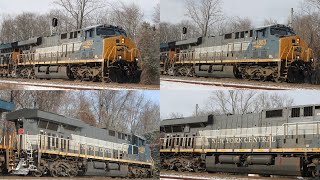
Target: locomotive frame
[[43, 143], [97, 53], [271, 52], [282, 141]]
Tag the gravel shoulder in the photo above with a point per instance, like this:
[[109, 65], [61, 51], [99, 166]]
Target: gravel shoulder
[[240, 83], [58, 84]]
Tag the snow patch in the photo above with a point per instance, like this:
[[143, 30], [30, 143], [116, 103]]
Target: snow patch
[[200, 84], [58, 86], [166, 85]]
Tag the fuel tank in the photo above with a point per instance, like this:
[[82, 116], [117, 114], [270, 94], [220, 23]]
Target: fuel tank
[[52, 72], [219, 71]]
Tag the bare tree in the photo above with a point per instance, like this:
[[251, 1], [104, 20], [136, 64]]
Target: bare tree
[[315, 3], [84, 111], [7, 29], [169, 32], [204, 13], [232, 24], [267, 100], [232, 101], [23, 26], [243, 101], [156, 14], [39, 100], [125, 111], [174, 115], [129, 16], [148, 42], [79, 10], [270, 21], [306, 24]]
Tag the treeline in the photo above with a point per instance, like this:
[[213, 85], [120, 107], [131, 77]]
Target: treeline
[[240, 102], [204, 17], [74, 14], [125, 111]]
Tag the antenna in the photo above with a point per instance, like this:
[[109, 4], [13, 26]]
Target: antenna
[[291, 18], [197, 108]]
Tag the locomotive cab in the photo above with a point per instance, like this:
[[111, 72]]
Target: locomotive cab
[[110, 31]]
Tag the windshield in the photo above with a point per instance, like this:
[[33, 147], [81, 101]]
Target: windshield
[[280, 31], [104, 31]]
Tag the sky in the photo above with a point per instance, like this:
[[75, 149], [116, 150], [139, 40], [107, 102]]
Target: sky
[[153, 95], [184, 101], [258, 10], [42, 6]]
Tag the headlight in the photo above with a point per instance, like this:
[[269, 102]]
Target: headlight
[[136, 59], [122, 40], [119, 57], [298, 41]]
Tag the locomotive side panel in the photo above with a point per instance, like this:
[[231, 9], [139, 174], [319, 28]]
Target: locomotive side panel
[[266, 53], [91, 54], [281, 141], [46, 139]]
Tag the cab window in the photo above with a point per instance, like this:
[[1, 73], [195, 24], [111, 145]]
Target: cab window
[[105, 31], [261, 33], [278, 31], [89, 33]]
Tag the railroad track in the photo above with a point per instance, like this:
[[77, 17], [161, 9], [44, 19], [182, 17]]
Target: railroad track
[[179, 178], [31, 84], [237, 83], [168, 175], [172, 177]]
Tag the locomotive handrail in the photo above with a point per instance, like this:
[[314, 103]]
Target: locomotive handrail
[[312, 122], [67, 146], [285, 128]]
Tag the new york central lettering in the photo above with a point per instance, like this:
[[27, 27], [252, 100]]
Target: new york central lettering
[[253, 139]]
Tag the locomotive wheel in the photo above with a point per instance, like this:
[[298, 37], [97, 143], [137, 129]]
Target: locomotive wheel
[[54, 173], [72, 173], [190, 72], [37, 173], [116, 75], [313, 171], [136, 77]]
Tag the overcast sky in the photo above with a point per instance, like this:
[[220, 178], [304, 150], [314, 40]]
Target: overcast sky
[[43, 6], [174, 10], [153, 95], [184, 101]]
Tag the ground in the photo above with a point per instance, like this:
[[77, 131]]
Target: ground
[[185, 83], [170, 175], [49, 178], [57, 84]]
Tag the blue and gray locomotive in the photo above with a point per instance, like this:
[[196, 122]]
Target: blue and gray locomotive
[[97, 53], [47, 144], [282, 141], [271, 52]]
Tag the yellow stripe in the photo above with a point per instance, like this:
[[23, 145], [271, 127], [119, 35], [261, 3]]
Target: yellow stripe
[[4, 147], [285, 150], [73, 61], [94, 157], [228, 61], [242, 150], [261, 150]]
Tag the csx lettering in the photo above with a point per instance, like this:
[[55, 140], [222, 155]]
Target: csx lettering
[[87, 44], [260, 43]]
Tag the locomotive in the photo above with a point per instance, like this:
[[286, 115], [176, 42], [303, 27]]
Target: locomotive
[[46, 144], [281, 141], [272, 53], [97, 53]]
